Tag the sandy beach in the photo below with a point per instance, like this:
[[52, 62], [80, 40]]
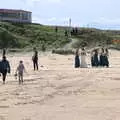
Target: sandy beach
[[58, 91]]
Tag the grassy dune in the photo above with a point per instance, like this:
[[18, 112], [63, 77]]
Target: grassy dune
[[45, 37]]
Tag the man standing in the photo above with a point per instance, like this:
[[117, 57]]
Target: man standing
[[35, 59], [4, 68]]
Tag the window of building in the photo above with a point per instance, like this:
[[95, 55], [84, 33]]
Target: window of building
[[24, 16]]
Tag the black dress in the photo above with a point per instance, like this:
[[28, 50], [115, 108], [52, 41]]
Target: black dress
[[102, 60], [77, 61], [94, 60], [106, 61]]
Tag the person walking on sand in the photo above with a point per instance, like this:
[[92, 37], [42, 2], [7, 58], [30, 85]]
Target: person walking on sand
[[4, 68], [35, 59], [83, 59], [20, 70], [77, 60]]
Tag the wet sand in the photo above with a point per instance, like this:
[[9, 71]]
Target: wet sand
[[59, 92]]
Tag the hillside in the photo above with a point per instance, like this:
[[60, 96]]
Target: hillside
[[47, 37], [29, 35]]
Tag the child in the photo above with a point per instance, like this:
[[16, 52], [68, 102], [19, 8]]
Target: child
[[20, 70]]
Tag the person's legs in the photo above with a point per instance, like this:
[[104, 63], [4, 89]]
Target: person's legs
[[22, 78], [4, 76], [19, 78], [34, 64], [37, 65]]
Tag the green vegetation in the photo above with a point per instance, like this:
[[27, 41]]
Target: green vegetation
[[47, 38], [31, 35], [92, 38]]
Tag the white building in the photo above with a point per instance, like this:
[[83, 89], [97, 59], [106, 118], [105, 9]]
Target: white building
[[12, 15]]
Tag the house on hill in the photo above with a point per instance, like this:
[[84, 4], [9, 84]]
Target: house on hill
[[17, 16]]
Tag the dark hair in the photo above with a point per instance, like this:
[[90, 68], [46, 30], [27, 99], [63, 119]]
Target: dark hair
[[83, 48], [102, 50], [77, 50], [106, 50], [34, 48], [4, 57], [21, 61], [96, 51]]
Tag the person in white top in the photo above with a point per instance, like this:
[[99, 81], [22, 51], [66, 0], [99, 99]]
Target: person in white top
[[20, 70]]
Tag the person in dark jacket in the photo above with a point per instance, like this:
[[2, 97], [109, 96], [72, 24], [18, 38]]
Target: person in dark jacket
[[77, 60], [35, 59], [4, 68]]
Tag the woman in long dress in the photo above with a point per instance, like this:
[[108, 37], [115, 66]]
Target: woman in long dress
[[106, 55], [83, 59], [102, 60], [94, 58], [77, 60]]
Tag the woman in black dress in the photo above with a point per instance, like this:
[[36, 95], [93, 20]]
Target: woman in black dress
[[106, 61], [94, 59], [102, 58], [77, 59]]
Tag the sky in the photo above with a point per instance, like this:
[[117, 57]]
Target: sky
[[103, 14]]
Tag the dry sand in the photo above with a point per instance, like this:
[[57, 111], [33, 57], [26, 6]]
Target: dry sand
[[59, 92]]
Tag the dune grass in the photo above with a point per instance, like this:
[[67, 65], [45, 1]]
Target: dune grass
[[14, 35]]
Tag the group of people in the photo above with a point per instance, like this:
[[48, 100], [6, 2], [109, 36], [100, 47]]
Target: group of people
[[99, 58], [5, 66]]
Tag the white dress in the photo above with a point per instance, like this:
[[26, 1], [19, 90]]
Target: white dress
[[83, 60]]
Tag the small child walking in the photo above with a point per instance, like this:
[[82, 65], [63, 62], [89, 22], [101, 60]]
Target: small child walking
[[20, 70]]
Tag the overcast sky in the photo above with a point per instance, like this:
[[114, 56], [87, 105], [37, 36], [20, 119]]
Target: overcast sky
[[91, 13]]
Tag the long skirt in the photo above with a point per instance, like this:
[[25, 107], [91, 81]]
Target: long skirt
[[104, 61], [83, 61], [77, 62], [94, 61]]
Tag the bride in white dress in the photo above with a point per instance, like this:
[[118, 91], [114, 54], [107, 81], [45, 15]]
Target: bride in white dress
[[83, 59]]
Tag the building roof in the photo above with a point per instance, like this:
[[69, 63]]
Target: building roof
[[12, 10]]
